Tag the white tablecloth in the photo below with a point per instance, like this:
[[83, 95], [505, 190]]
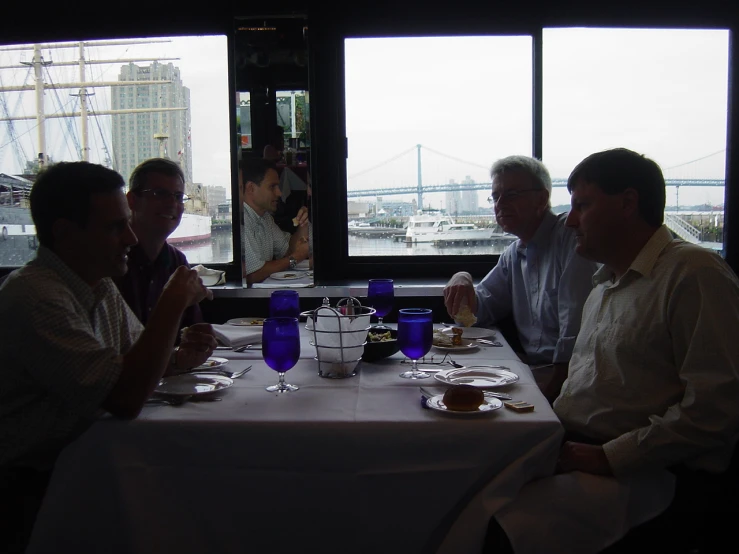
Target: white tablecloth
[[351, 465]]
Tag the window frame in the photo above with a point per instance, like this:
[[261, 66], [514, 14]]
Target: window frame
[[332, 260]]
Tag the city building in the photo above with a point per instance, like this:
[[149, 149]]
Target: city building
[[139, 136], [216, 197]]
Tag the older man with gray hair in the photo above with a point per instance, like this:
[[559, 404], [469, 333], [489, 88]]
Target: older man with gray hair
[[539, 280]]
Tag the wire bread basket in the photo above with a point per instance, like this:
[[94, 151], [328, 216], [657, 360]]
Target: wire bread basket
[[339, 335]]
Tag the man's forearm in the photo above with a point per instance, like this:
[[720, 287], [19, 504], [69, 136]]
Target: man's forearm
[[147, 360], [281, 264]]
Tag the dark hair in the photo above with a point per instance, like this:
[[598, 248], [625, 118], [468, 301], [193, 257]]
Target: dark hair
[[254, 170], [614, 171], [154, 165], [64, 191]]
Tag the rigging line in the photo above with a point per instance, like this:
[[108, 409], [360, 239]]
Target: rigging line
[[100, 130], [34, 127], [696, 160], [456, 159], [382, 163], [67, 124], [18, 150]]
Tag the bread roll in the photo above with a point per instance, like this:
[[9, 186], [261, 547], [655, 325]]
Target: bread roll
[[463, 398], [465, 316], [295, 222]]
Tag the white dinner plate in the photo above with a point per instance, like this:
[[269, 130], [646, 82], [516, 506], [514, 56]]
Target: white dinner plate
[[288, 275], [246, 321], [189, 384], [213, 363], [472, 332], [491, 404], [466, 346], [481, 376]]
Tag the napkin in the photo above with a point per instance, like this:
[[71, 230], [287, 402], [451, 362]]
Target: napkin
[[210, 277], [236, 336]]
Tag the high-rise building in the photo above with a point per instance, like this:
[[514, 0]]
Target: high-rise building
[[469, 202], [216, 197], [453, 200], [142, 135]]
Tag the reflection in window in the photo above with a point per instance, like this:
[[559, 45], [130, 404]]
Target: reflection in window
[[662, 93], [180, 110], [425, 119]]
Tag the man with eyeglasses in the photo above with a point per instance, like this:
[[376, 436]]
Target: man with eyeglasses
[[156, 196], [539, 280]]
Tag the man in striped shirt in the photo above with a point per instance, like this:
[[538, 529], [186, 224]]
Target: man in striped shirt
[[71, 347]]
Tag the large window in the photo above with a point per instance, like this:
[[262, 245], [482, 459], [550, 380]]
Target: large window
[[175, 106], [660, 92], [425, 119]]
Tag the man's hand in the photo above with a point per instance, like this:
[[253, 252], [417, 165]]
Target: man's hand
[[459, 292], [186, 285], [302, 217], [197, 344], [588, 458], [301, 251]]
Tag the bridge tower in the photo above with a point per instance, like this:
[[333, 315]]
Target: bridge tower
[[420, 180]]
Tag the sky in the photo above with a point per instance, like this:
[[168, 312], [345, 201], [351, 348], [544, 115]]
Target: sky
[[662, 93], [203, 63], [467, 100]]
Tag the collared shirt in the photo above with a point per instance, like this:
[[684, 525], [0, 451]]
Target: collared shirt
[[143, 283], [61, 350], [655, 371], [544, 285], [263, 240]]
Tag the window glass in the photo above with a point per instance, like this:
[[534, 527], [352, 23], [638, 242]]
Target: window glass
[[432, 113], [660, 92], [185, 119]]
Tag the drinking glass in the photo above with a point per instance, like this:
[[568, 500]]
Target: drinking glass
[[380, 296], [281, 348], [415, 332], [284, 303]]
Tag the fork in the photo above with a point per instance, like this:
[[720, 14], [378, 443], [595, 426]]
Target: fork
[[489, 342], [248, 346], [232, 375]]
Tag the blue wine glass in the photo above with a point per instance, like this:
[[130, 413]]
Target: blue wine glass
[[281, 348], [415, 332], [380, 295], [284, 303]]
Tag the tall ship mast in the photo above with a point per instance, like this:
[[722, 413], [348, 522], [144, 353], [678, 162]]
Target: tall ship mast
[[148, 110]]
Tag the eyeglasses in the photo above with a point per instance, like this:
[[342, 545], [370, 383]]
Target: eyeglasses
[[508, 195], [162, 194]]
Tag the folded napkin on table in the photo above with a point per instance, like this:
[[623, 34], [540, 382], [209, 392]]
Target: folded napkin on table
[[235, 336], [210, 277]]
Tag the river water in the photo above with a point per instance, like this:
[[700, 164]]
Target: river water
[[220, 249], [16, 251]]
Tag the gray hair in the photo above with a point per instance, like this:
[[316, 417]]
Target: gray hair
[[532, 166]]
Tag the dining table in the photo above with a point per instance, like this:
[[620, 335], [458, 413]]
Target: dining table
[[352, 465]]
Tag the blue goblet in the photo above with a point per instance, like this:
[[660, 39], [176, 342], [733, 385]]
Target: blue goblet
[[281, 348], [415, 332], [380, 295], [284, 303]]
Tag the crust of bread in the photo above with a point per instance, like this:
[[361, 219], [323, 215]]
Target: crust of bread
[[465, 316]]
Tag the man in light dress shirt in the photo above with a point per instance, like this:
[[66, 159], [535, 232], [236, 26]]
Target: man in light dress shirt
[[539, 279], [654, 376], [71, 347], [268, 249]]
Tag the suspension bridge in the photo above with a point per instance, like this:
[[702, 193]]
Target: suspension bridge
[[420, 188]]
